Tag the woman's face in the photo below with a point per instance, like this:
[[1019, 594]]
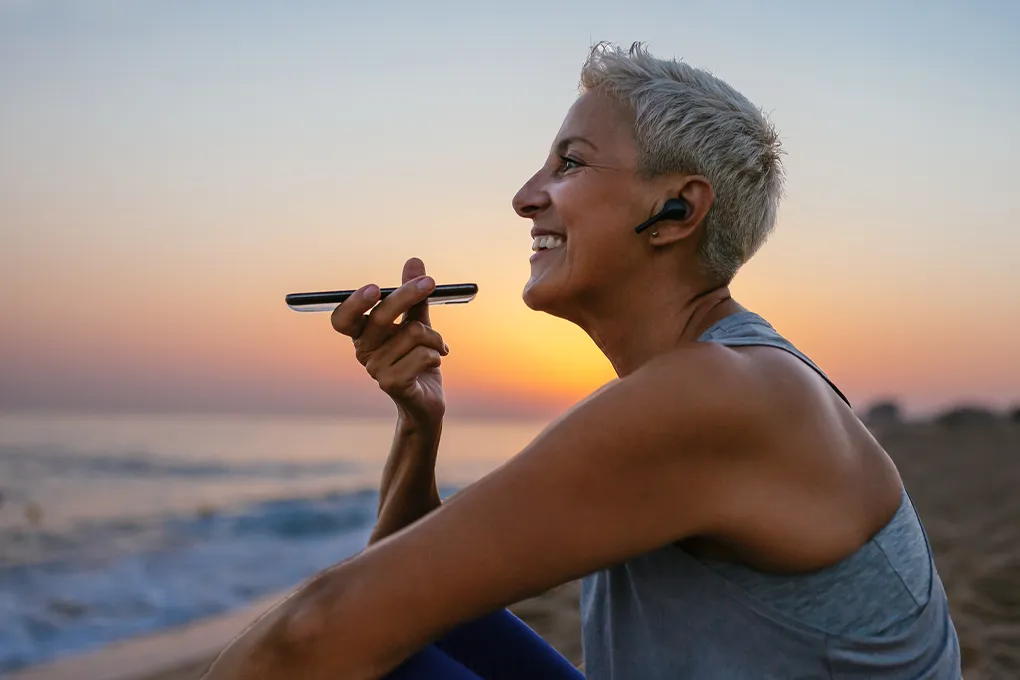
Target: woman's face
[[584, 203]]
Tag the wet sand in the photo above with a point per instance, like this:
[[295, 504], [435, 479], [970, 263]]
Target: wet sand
[[963, 479]]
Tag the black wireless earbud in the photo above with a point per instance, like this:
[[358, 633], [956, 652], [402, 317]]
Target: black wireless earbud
[[675, 209]]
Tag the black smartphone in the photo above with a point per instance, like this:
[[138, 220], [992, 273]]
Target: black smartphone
[[327, 301]]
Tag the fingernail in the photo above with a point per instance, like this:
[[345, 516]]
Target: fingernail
[[425, 283], [371, 292]]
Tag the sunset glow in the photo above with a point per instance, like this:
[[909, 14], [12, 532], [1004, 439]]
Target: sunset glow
[[168, 176]]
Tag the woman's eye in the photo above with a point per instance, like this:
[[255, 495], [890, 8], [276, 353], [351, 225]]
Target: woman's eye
[[568, 163]]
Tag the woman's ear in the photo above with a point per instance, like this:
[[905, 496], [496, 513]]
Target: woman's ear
[[697, 195], [700, 196]]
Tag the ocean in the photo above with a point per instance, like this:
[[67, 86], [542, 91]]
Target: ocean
[[116, 526]]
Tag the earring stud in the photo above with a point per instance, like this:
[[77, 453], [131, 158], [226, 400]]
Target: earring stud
[[655, 233]]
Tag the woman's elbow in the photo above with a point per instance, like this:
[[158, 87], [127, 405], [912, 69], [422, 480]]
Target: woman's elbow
[[319, 636]]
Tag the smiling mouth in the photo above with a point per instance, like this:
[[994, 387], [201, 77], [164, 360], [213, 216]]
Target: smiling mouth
[[547, 242]]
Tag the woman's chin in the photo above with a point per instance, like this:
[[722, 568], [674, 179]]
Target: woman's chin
[[548, 289], [543, 295], [536, 294]]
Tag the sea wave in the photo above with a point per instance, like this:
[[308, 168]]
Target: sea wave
[[40, 459], [106, 580]]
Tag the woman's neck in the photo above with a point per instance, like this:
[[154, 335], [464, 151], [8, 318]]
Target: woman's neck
[[631, 331]]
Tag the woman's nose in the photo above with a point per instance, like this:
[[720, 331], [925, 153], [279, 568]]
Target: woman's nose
[[531, 198]]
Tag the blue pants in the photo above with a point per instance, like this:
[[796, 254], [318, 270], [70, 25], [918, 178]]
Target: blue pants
[[498, 646]]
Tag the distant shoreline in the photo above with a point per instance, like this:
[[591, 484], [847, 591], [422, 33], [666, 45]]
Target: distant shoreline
[[1008, 409], [310, 416]]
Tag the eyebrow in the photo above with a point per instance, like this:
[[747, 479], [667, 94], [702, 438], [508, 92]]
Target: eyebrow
[[564, 143]]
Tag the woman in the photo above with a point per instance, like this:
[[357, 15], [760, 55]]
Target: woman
[[730, 515]]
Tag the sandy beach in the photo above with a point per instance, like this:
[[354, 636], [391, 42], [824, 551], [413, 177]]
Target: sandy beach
[[962, 475]]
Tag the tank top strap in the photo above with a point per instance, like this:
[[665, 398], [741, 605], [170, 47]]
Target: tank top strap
[[745, 328]]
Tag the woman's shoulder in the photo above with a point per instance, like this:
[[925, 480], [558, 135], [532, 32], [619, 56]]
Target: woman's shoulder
[[741, 381], [758, 402], [708, 379]]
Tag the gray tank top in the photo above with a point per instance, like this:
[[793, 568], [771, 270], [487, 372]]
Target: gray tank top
[[879, 614]]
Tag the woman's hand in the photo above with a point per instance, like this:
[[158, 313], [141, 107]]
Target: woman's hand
[[404, 357]]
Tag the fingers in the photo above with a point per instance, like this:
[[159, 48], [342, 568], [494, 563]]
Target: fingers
[[381, 319], [349, 317], [399, 378], [411, 335], [373, 329], [414, 268]]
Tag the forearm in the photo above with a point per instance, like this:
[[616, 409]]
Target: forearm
[[335, 626], [308, 635], [408, 489]]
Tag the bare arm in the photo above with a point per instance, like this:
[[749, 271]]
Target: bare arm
[[408, 490], [646, 462], [403, 356]]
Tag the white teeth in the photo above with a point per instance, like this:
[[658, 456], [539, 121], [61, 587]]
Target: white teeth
[[547, 242]]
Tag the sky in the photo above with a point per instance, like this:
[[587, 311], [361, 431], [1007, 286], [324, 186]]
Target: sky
[[170, 169]]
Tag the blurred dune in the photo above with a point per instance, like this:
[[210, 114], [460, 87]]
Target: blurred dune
[[962, 471]]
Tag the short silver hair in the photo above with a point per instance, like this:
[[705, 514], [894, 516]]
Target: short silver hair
[[687, 120]]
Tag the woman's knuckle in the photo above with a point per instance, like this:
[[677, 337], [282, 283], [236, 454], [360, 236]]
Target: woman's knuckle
[[336, 319]]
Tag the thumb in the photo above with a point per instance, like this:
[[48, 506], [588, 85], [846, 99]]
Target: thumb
[[414, 268]]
